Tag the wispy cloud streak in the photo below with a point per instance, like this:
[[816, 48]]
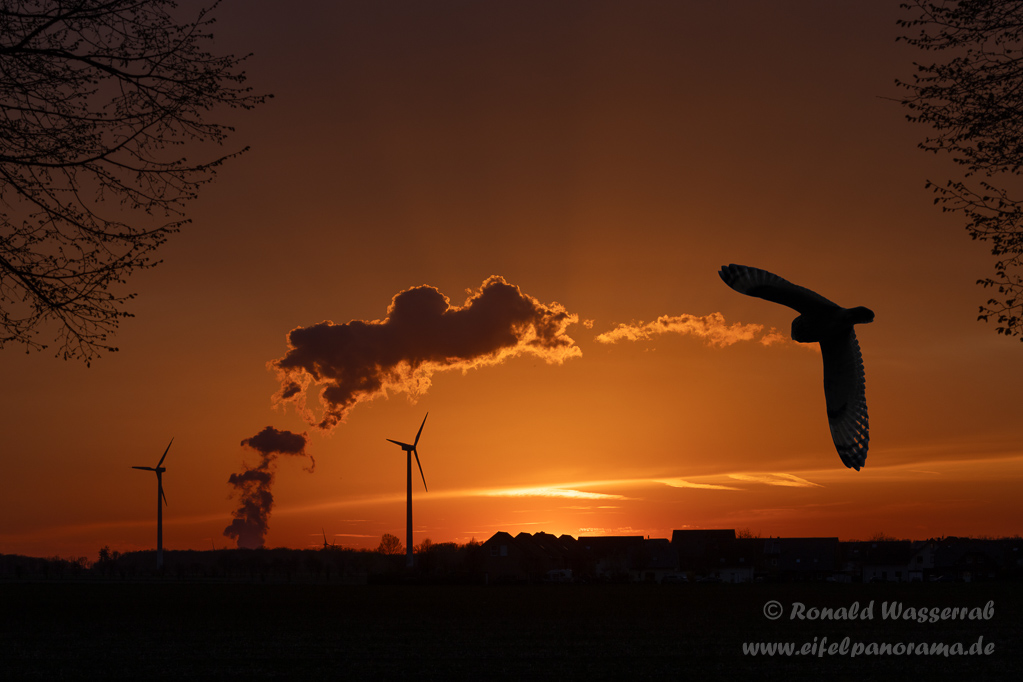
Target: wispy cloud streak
[[682, 483], [631, 489], [711, 328], [788, 480], [553, 492]]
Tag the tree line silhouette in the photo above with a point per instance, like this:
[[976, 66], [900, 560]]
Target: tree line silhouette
[[542, 557], [444, 561]]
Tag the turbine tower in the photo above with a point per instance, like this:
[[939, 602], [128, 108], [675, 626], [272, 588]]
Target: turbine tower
[[409, 451], [161, 500]]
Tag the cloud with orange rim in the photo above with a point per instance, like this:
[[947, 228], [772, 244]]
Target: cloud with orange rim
[[421, 334]]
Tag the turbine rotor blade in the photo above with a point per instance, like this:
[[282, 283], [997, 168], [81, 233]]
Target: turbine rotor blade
[[165, 452], [145, 468], [419, 433], [164, 496], [404, 446], [420, 469]]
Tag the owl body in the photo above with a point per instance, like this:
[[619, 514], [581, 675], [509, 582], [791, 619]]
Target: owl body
[[828, 322]]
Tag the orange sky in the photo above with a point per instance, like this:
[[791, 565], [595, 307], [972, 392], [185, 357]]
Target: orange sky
[[608, 157]]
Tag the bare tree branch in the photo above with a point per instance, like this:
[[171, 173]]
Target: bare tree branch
[[98, 101], [973, 102]]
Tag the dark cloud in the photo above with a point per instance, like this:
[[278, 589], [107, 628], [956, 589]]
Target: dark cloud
[[270, 441], [422, 334], [251, 519]]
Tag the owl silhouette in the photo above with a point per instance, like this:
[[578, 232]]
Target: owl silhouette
[[830, 325]]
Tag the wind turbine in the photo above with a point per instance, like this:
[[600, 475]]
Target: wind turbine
[[409, 451], [159, 507]]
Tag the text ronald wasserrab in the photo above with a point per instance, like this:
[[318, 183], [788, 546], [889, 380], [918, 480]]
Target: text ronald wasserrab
[[894, 610]]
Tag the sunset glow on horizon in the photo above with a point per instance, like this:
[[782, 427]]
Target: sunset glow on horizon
[[511, 216]]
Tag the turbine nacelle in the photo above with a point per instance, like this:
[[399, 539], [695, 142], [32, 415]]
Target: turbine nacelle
[[412, 449], [159, 469]]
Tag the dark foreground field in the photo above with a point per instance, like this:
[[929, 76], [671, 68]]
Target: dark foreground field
[[52, 631]]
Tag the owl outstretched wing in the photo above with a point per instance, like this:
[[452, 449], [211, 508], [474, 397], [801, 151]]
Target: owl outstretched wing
[[845, 391], [771, 287]]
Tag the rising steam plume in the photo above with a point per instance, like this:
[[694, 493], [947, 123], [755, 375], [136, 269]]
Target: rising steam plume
[[251, 520], [422, 334]]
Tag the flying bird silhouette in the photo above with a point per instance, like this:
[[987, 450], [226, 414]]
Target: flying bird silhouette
[[831, 325]]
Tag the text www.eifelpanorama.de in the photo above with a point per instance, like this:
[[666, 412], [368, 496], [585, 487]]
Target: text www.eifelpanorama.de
[[846, 647]]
